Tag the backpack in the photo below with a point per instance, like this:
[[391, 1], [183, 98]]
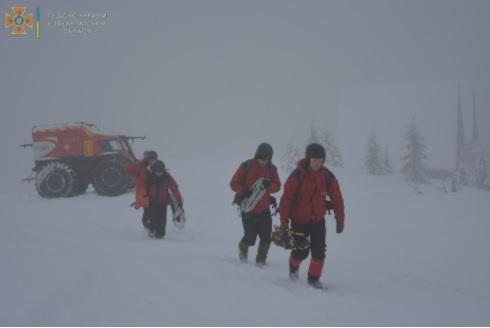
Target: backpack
[[237, 199], [150, 179]]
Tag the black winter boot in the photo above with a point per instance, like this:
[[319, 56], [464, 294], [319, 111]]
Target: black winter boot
[[262, 252], [293, 273], [315, 283], [242, 251]]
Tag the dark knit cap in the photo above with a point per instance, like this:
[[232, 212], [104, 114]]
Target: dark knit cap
[[158, 166], [315, 150], [264, 151], [151, 155]]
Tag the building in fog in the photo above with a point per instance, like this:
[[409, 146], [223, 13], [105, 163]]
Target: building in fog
[[472, 161]]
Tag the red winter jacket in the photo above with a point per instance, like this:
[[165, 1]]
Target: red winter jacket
[[248, 173], [307, 204], [140, 173], [158, 189]]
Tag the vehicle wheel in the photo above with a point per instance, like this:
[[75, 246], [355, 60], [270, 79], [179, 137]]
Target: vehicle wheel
[[110, 178], [56, 179]]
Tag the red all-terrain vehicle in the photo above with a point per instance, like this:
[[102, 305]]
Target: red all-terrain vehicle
[[69, 157]]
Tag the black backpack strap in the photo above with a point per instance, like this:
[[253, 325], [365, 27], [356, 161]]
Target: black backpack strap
[[165, 183], [298, 175], [329, 178], [245, 166]]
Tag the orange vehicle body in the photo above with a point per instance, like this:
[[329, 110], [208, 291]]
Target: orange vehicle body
[[69, 157], [65, 140]]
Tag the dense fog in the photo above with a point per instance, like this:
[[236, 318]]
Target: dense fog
[[212, 79]]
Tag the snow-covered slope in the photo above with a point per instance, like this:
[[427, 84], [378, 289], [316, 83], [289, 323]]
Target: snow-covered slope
[[404, 259]]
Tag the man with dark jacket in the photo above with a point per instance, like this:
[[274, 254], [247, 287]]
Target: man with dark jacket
[[304, 203], [154, 184], [158, 184], [258, 221]]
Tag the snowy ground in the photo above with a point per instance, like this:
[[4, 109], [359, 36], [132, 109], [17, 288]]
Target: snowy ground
[[404, 259]]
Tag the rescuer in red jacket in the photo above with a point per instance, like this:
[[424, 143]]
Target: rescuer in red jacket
[[304, 203], [157, 185], [259, 220], [140, 171], [152, 184]]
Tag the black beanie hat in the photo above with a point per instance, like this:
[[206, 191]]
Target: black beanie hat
[[158, 166], [315, 150], [151, 155], [264, 151]]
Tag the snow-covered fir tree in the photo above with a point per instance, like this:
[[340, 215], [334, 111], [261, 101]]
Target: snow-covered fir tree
[[374, 157], [314, 136], [481, 176], [334, 157], [290, 157], [387, 164], [414, 160], [455, 185]]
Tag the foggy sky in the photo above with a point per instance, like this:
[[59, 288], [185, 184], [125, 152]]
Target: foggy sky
[[215, 78]]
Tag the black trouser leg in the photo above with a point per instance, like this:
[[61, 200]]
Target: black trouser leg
[[264, 225], [317, 233], [152, 216], [161, 230], [145, 220], [157, 215], [317, 240], [300, 254], [249, 222]]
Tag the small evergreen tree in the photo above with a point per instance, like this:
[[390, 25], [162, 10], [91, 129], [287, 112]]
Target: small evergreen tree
[[387, 164], [374, 157], [290, 157], [414, 160], [334, 157], [482, 179], [314, 136]]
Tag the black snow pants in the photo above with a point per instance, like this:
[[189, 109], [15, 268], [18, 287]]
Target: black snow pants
[[317, 232], [256, 224], [145, 219], [156, 215]]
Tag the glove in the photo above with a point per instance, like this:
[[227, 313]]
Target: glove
[[273, 201], [134, 205], [284, 226], [247, 193], [340, 226], [266, 183]]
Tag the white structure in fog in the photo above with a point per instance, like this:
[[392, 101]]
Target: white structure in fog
[[472, 162]]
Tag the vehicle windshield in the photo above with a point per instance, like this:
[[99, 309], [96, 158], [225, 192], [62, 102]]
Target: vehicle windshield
[[111, 145]]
